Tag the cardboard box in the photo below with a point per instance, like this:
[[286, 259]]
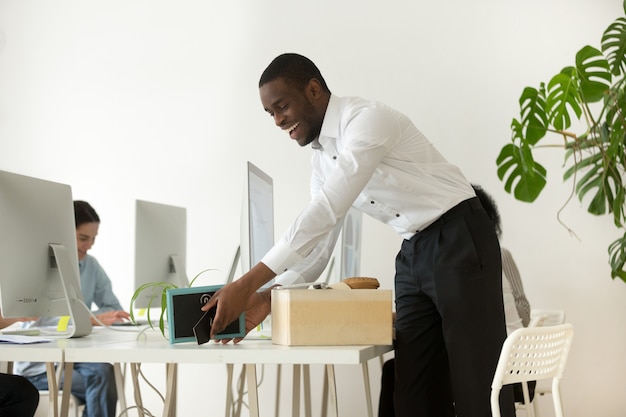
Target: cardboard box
[[331, 317]]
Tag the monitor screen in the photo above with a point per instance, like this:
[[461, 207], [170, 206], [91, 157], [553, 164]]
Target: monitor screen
[[39, 274], [257, 217], [345, 260], [351, 244], [160, 248]]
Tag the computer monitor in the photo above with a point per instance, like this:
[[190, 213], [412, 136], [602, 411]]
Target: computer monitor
[[160, 249], [257, 217], [345, 261], [39, 274], [350, 244]]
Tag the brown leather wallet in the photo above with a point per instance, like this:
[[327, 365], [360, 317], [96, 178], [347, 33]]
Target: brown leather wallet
[[362, 283]]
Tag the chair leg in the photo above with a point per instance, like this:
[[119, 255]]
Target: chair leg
[[556, 398], [495, 403], [530, 408], [535, 406]]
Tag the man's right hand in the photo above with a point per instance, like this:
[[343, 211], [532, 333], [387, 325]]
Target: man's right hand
[[229, 302], [258, 308], [232, 299]]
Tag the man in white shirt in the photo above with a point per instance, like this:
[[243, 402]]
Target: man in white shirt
[[450, 319]]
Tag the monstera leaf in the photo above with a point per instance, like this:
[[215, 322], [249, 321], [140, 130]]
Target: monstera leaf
[[534, 122], [526, 177], [617, 253], [614, 46], [596, 178], [594, 74], [563, 98]]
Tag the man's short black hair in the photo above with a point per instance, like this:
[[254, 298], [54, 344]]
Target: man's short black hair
[[296, 69]]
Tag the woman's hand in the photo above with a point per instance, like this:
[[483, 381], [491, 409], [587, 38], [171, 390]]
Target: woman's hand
[[110, 317]]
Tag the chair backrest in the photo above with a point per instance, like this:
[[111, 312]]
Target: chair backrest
[[542, 317], [532, 354]]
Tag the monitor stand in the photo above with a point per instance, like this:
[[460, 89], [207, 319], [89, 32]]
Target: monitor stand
[[178, 270], [233, 266], [79, 316]]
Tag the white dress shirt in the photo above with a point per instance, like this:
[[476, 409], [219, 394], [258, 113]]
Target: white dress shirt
[[372, 157]]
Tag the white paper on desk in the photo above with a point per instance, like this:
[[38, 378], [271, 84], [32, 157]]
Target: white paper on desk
[[16, 339]]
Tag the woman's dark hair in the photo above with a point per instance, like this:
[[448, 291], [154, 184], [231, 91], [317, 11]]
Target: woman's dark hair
[[84, 213], [490, 207], [296, 69]]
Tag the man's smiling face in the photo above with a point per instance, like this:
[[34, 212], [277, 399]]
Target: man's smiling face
[[293, 109]]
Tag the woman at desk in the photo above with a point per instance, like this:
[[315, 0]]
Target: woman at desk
[[92, 383]]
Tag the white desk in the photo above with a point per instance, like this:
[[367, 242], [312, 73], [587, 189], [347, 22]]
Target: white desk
[[123, 347], [155, 349]]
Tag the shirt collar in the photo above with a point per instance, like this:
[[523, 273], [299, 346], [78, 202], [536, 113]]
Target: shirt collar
[[330, 125]]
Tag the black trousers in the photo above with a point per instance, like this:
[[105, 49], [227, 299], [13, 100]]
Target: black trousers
[[18, 397], [450, 322]]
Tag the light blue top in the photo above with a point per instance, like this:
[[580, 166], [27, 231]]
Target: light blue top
[[96, 286], [97, 290]]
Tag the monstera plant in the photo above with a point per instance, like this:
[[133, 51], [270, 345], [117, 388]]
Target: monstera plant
[[584, 108]]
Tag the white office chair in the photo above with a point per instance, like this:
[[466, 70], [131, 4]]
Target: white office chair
[[542, 317], [539, 318], [533, 354]]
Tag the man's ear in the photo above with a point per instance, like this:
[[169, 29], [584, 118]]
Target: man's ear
[[314, 89]]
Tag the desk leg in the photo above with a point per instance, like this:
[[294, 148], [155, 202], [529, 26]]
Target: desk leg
[[229, 388], [240, 392], [295, 394], [368, 390], [277, 398], [169, 408], [253, 395], [324, 411], [53, 390], [306, 383], [67, 391], [134, 374], [332, 389], [119, 385]]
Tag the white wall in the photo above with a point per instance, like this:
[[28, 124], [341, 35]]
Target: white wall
[[158, 100]]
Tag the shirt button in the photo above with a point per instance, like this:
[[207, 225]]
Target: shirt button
[[335, 157], [372, 202], [397, 214]]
